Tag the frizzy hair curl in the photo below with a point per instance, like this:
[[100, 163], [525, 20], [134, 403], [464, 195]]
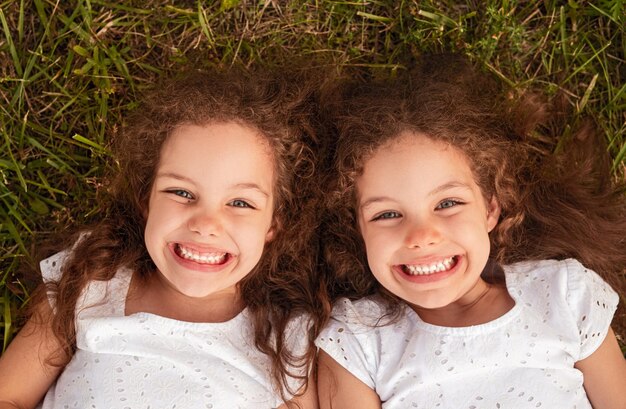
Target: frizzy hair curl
[[277, 104], [553, 205]]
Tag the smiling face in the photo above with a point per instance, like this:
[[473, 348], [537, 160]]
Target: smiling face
[[425, 222], [210, 208]]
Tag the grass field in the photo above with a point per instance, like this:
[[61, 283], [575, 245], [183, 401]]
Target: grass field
[[71, 70]]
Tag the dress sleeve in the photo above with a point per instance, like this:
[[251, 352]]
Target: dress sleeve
[[51, 266], [592, 302], [297, 340], [51, 271], [348, 340]]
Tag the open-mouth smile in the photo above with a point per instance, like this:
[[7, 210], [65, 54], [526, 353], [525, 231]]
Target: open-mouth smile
[[439, 266], [206, 258]]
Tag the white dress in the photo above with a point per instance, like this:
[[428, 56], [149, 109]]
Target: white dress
[[523, 359], [151, 362]]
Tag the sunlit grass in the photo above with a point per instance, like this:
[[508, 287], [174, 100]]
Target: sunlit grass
[[69, 71]]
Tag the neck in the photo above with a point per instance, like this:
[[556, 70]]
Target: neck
[[157, 296], [483, 303]]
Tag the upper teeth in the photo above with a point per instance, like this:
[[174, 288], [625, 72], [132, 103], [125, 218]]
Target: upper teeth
[[209, 258], [436, 267]]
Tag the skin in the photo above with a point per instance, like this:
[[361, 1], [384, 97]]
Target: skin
[[212, 199], [25, 360], [338, 388], [210, 215], [420, 207], [604, 373]]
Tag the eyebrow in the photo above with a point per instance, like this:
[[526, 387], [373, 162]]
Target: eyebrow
[[243, 185], [173, 176], [448, 186], [252, 186], [438, 189]]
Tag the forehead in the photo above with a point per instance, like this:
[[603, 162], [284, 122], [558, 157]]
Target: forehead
[[217, 151], [413, 161], [416, 148]]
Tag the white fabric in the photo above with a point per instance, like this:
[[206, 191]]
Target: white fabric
[[148, 361], [523, 359]]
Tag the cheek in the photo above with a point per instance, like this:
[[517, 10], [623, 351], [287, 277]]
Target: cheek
[[376, 246], [254, 235]]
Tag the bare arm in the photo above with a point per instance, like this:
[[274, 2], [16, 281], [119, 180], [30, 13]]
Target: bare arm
[[24, 375], [338, 388], [604, 374]]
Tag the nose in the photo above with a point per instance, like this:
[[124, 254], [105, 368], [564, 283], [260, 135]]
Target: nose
[[421, 234], [206, 223]]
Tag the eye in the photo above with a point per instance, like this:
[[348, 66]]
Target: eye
[[181, 193], [241, 203], [448, 203], [386, 215]]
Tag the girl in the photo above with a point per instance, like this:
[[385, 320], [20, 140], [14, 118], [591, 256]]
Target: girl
[[456, 235], [196, 289]]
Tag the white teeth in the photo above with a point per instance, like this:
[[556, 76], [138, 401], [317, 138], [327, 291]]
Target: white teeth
[[437, 267], [207, 258]]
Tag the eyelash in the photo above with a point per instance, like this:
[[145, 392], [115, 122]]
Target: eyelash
[[233, 203], [238, 203], [393, 215], [182, 193], [386, 215], [453, 202]]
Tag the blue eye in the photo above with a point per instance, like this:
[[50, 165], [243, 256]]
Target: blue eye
[[447, 203], [386, 215], [241, 203], [181, 193]]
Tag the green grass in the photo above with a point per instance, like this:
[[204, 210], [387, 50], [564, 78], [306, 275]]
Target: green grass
[[69, 71]]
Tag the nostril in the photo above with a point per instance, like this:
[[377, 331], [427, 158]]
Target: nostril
[[205, 226], [422, 237]]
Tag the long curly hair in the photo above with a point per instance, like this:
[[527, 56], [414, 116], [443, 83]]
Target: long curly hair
[[554, 204], [279, 104]]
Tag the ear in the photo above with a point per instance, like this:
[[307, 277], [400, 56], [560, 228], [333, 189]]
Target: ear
[[493, 213], [269, 236], [143, 202], [144, 213]]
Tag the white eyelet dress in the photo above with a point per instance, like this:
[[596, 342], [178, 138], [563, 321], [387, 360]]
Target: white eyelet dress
[[151, 362], [523, 359]]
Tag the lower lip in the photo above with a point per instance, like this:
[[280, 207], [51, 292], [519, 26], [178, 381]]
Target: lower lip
[[427, 278], [205, 268]]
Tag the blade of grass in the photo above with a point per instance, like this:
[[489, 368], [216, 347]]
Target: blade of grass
[[12, 50], [583, 101], [7, 318]]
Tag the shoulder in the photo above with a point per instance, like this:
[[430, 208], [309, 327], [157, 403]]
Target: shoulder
[[567, 278], [363, 324], [52, 267], [351, 338], [570, 293], [364, 336], [366, 311], [95, 296], [533, 268], [297, 332]]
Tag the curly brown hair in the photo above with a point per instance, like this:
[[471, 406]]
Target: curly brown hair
[[279, 104], [554, 205]]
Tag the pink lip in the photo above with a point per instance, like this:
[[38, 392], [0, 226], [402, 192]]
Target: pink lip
[[429, 278], [205, 268]]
